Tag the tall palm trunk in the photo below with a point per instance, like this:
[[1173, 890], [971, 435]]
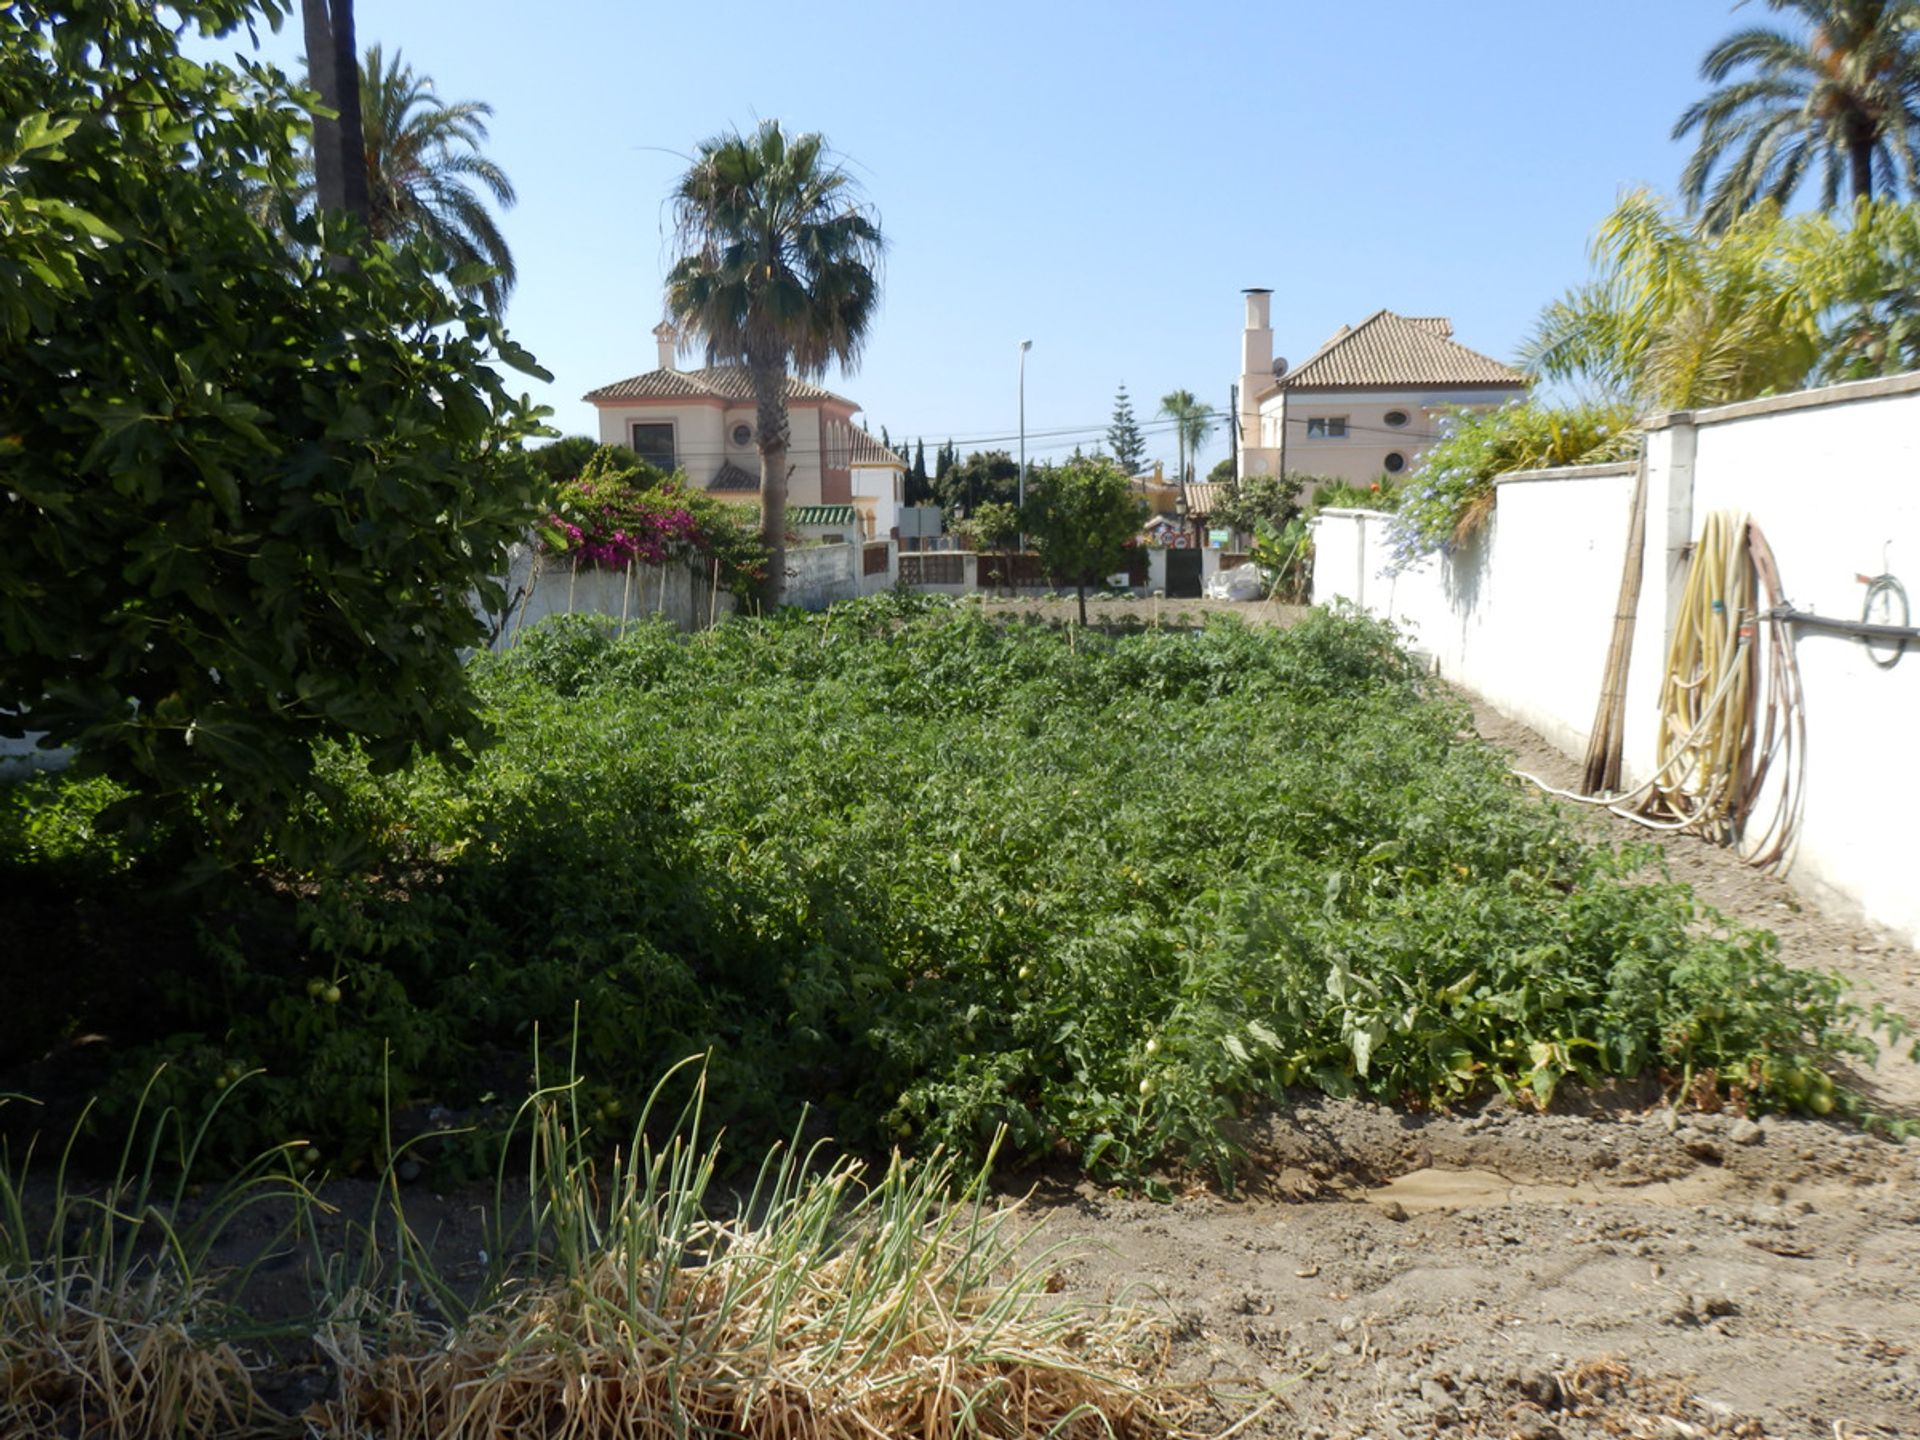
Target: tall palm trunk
[[1860, 164], [339, 144], [770, 403]]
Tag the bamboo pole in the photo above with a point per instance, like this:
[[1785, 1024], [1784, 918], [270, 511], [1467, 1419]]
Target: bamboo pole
[[1600, 773]]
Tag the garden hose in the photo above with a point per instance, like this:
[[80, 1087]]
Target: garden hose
[[1726, 720]]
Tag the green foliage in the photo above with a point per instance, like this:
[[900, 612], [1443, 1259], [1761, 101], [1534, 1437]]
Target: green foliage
[[1330, 493], [619, 510], [1081, 517], [256, 491], [1863, 279], [1285, 557], [422, 153], [1674, 318], [994, 526], [565, 458], [1123, 435], [1257, 500], [990, 477], [1192, 423], [935, 875], [1450, 494]]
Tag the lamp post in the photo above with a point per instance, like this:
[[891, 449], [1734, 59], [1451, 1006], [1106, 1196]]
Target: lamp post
[[1025, 345]]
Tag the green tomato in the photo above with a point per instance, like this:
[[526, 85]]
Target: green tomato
[[331, 994], [1153, 1047], [1146, 1088]]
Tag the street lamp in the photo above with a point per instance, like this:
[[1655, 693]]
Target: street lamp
[[1025, 345]]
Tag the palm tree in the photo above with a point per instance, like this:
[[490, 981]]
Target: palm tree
[[779, 254], [1674, 318], [423, 157], [1846, 94], [1192, 423]]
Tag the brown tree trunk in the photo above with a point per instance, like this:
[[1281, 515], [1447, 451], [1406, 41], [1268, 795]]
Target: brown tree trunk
[[770, 404], [1860, 161], [339, 144]]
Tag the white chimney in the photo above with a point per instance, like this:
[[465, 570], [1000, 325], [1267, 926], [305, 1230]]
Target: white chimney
[[1256, 375], [669, 339]]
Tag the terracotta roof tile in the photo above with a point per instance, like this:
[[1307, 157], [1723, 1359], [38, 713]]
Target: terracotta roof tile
[[731, 477], [1386, 349], [865, 450], [1201, 499], [721, 382]]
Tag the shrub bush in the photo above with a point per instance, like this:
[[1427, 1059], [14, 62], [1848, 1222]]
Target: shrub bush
[[619, 511], [1450, 493], [935, 874]]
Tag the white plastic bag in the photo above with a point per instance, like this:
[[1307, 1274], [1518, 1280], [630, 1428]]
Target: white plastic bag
[[1243, 582]]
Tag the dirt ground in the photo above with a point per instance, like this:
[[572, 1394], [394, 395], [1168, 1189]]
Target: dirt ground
[[1627, 1271]]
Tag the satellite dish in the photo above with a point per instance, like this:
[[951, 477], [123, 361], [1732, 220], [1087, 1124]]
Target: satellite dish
[[1280, 367]]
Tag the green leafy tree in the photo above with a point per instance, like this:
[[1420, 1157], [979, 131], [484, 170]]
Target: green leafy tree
[[564, 458], [1081, 517], [255, 493], [1270, 500], [1123, 435], [777, 272], [983, 477], [1192, 423], [1841, 92]]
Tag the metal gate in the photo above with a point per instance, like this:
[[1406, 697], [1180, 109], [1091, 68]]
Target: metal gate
[[1183, 574]]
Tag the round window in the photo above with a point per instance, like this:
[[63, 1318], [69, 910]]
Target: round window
[[743, 434], [1396, 462], [1396, 418]]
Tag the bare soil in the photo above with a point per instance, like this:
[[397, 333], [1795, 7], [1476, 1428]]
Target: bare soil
[[1626, 1271]]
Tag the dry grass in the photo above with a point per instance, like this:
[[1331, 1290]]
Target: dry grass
[[839, 1309], [634, 1303], [109, 1326], [77, 1360]]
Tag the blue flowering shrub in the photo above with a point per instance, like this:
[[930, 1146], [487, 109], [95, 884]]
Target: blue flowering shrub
[[1450, 494]]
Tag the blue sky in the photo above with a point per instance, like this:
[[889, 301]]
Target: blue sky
[[1102, 179]]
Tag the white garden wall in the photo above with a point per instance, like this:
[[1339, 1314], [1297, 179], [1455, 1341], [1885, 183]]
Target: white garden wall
[[1523, 615], [540, 586]]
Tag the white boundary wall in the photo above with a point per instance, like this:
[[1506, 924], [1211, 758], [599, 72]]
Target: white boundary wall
[[1523, 614]]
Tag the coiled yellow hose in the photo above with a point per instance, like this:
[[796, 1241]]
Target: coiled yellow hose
[[1713, 755]]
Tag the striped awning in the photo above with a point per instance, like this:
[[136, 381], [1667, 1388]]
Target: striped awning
[[822, 515]]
